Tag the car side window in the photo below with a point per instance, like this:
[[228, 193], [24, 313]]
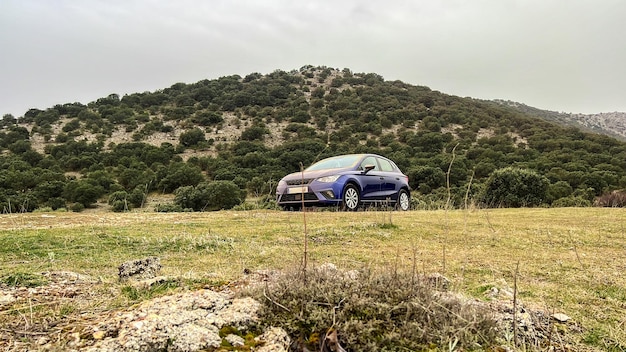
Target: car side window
[[370, 160], [385, 165]]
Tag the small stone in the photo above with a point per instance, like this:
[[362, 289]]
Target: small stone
[[560, 317], [235, 341], [5, 299], [328, 268], [275, 339], [492, 292], [98, 335], [146, 268], [147, 283]]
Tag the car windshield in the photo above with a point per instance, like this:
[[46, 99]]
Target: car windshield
[[338, 162]]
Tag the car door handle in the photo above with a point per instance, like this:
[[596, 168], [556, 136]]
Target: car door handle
[[382, 178]]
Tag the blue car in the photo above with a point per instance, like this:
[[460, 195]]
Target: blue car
[[346, 181]]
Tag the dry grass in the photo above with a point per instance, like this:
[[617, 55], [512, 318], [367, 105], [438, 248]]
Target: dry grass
[[571, 260]]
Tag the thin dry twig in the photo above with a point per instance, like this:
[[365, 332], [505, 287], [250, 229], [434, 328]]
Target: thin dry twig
[[26, 333], [306, 245], [448, 177], [274, 302], [515, 304], [582, 266]]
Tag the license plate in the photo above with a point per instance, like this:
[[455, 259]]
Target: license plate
[[293, 190]]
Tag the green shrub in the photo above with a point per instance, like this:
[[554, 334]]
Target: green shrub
[[56, 203], [559, 189], [116, 196], [571, 201], [43, 210], [83, 191], [119, 201], [170, 208], [137, 197], [119, 206], [77, 207], [192, 137], [214, 195], [515, 187], [265, 202]]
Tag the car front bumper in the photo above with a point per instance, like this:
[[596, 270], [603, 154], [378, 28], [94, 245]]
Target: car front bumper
[[295, 195]]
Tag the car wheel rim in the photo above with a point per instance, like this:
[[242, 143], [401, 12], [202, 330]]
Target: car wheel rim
[[352, 198], [404, 201]]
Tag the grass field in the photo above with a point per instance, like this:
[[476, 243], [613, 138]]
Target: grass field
[[571, 260]]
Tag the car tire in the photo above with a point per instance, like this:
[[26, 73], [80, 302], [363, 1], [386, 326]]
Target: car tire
[[403, 201], [351, 198]]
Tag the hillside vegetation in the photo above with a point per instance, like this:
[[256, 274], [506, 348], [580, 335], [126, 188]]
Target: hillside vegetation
[[253, 130]]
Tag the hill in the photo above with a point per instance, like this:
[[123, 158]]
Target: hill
[[612, 124], [252, 130]]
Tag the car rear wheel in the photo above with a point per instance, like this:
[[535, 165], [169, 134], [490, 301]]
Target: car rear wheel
[[404, 200], [351, 198]]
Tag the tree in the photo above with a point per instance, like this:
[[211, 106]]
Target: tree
[[254, 133], [83, 192], [179, 175], [558, 190], [426, 178], [515, 187], [192, 137], [207, 118], [119, 201], [8, 120]]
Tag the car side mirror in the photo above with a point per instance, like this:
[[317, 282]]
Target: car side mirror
[[368, 168]]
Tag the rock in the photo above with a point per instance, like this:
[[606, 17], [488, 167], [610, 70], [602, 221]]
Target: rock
[[188, 321], [327, 268], [146, 268], [147, 283], [68, 277], [235, 341], [6, 299], [275, 339], [560, 317], [492, 293], [98, 335], [239, 314], [192, 337]]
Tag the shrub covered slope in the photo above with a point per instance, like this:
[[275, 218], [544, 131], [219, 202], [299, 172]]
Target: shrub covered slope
[[252, 130]]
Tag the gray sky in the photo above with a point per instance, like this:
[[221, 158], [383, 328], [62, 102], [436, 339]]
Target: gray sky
[[562, 55]]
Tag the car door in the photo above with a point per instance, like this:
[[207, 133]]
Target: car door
[[389, 178], [371, 181]]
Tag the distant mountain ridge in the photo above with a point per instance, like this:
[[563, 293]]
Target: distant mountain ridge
[[610, 123]]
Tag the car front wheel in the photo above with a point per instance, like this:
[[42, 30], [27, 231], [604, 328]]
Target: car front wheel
[[404, 200], [351, 198]]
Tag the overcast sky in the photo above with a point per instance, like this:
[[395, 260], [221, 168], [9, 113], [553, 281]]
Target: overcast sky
[[562, 55]]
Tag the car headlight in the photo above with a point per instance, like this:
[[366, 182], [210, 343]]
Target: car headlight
[[332, 178]]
